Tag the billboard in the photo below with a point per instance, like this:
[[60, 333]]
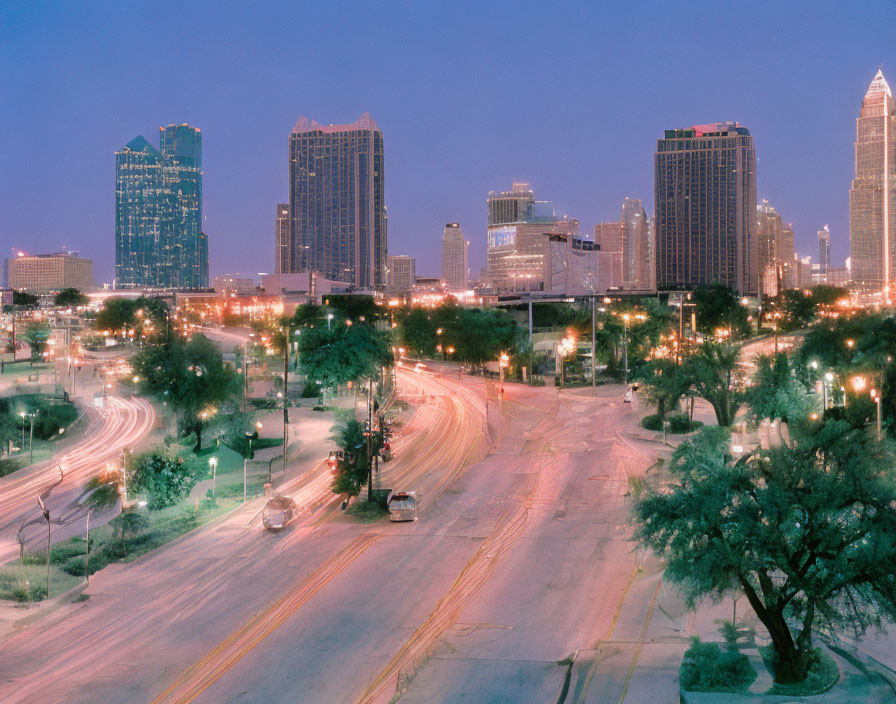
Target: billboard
[[503, 236]]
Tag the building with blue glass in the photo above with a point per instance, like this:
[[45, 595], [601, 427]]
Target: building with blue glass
[[159, 241]]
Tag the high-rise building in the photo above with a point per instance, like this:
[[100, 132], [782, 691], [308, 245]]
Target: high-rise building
[[636, 249], [872, 198], [282, 252], [705, 193], [43, 273], [454, 258], [159, 242], [517, 226], [609, 236], [776, 254], [337, 202], [824, 251], [401, 273]]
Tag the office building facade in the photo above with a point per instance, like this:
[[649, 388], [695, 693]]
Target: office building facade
[[401, 274], [455, 250], [159, 242], [610, 236], [705, 208], [776, 251], [517, 227], [337, 201], [44, 273], [872, 198], [570, 265]]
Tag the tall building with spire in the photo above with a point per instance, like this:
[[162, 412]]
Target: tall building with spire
[[637, 260], [454, 258], [872, 198], [159, 241], [337, 201]]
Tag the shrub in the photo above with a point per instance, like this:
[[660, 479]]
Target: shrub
[[166, 479], [311, 389], [60, 553], [678, 423], [707, 668]]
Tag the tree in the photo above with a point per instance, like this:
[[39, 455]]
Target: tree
[[164, 477], [191, 377], [344, 353], [795, 308], [711, 370], [352, 470], [352, 307], [777, 393], [23, 299], [36, 334], [829, 296], [117, 315], [805, 530], [418, 331], [70, 298], [665, 384], [480, 335], [717, 306]]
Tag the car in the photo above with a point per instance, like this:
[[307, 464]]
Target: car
[[278, 512], [402, 505]]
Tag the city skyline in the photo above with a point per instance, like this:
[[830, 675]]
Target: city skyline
[[443, 155]]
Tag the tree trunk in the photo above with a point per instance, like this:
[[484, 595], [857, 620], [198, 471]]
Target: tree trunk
[[198, 427], [792, 663]]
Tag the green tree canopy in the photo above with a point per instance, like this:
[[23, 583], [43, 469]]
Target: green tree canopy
[[805, 530], [344, 353], [164, 477], [70, 298], [717, 306], [189, 376], [666, 384], [24, 299], [37, 333], [712, 371]]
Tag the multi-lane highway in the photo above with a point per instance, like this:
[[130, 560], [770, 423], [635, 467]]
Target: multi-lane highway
[[520, 559], [121, 423]]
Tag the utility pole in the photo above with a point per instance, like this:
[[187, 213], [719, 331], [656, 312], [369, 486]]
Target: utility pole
[[87, 548], [369, 436], [530, 319], [285, 397]]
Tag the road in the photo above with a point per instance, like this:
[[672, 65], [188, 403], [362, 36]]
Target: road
[[521, 558], [123, 423]]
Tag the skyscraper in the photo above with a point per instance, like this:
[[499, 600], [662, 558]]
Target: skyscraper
[[337, 202], [705, 219], [872, 198], [282, 252], [454, 258], [824, 251], [776, 251], [159, 241], [609, 236], [636, 251]]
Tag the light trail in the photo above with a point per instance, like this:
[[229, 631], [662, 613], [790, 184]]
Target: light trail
[[125, 423], [431, 436]]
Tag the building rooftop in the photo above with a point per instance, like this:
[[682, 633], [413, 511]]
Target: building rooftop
[[365, 122]]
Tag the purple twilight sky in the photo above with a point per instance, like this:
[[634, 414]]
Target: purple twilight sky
[[570, 96]]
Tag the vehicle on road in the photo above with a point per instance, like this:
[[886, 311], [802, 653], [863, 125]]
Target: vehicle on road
[[402, 505], [278, 511]]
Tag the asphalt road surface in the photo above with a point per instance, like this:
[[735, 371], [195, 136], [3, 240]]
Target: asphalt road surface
[[519, 565]]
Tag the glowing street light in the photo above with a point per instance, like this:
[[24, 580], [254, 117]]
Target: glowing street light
[[213, 463]]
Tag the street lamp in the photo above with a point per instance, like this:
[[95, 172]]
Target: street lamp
[[876, 397], [330, 317], [22, 414], [213, 463], [625, 319]]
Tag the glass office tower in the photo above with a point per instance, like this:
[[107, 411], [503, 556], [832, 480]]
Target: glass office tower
[[337, 201], [159, 241], [705, 192]]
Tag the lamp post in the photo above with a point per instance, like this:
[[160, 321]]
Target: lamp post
[[213, 463], [31, 438], [876, 398], [625, 319], [22, 415], [46, 513], [330, 317], [250, 436]]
